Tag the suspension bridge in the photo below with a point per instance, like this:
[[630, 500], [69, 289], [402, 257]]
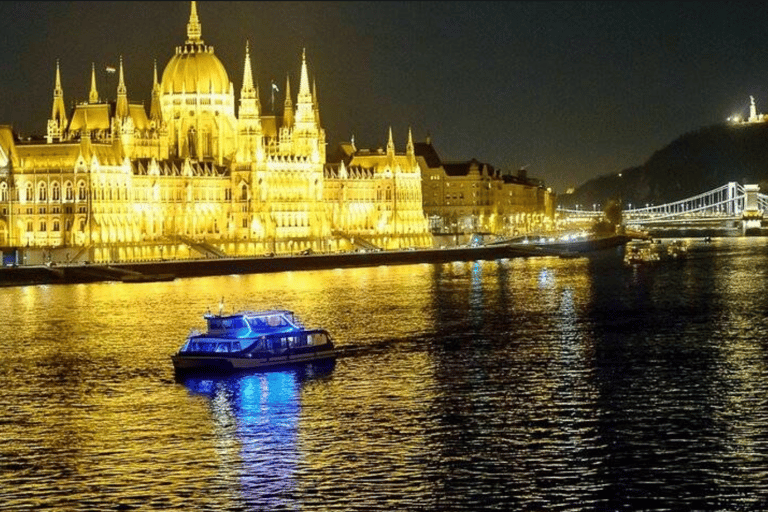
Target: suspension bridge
[[730, 206]]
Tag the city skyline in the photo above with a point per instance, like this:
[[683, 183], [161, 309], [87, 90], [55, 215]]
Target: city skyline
[[570, 91]]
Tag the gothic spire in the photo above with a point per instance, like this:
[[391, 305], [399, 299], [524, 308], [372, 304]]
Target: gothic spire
[[249, 95], [59, 111], [194, 29], [93, 96], [247, 72], [121, 109], [304, 94], [409, 147], [390, 143], [316, 103], [288, 110], [155, 112]]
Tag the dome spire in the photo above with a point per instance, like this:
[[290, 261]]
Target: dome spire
[[93, 96], [194, 29]]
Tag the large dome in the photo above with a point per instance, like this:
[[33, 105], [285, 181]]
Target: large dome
[[195, 72]]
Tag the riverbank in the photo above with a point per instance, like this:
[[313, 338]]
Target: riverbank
[[168, 270]]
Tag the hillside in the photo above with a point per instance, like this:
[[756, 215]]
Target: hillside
[[694, 163]]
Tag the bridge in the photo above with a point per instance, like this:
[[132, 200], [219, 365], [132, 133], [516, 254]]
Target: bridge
[[727, 205]]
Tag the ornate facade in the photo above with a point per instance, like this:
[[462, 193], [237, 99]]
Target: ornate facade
[[201, 175]]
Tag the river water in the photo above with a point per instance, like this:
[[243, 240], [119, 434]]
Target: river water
[[538, 384]]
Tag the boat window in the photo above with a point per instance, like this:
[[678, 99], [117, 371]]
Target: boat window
[[222, 347], [235, 346], [317, 338], [214, 324]]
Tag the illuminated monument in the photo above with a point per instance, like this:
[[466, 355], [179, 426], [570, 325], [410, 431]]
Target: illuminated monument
[[201, 174]]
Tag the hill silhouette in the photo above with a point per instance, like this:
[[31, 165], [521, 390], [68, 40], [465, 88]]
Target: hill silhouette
[[696, 162]]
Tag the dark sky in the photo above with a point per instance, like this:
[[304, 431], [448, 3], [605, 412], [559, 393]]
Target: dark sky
[[571, 90]]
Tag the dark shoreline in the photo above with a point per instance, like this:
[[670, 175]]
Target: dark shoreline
[[168, 270]]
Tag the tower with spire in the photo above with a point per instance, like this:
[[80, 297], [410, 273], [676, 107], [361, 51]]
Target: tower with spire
[[58, 121], [249, 143]]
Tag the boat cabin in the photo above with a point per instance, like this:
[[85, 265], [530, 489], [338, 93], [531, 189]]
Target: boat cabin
[[260, 334]]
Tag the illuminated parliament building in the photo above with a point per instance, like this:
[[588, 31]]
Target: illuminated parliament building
[[203, 174]]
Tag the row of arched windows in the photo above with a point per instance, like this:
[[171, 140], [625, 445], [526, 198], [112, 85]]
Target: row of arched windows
[[30, 195]]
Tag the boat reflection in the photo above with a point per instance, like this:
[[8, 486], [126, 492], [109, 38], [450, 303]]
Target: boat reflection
[[255, 421]]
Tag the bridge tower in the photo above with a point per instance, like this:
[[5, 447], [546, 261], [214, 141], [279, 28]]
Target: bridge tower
[[752, 216]]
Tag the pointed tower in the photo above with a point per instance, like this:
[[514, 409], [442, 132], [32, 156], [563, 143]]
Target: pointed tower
[[390, 145], [155, 112], [409, 149], [316, 103], [58, 121], [93, 96], [305, 110], [249, 120], [288, 105], [121, 109]]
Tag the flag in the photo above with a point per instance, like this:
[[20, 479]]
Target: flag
[[274, 87], [110, 69]]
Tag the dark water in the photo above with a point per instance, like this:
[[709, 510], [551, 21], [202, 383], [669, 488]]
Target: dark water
[[537, 384]]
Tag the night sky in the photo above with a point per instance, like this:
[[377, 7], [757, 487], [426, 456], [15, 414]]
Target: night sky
[[570, 90]]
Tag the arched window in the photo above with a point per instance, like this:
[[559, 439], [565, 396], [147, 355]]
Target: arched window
[[30, 193], [4, 192], [69, 193], [43, 226], [244, 193], [81, 191], [42, 192], [55, 191], [56, 225]]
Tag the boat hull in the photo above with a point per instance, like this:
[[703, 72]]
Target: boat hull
[[218, 363]]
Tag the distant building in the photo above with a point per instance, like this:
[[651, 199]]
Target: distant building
[[474, 197]]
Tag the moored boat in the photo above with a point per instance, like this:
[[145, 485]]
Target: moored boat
[[252, 340], [677, 250], [641, 253]]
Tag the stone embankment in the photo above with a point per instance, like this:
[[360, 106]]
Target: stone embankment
[[168, 270]]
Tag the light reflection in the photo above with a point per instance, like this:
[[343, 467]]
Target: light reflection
[[257, 415]]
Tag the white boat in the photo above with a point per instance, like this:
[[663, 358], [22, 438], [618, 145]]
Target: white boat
[[252, 340]]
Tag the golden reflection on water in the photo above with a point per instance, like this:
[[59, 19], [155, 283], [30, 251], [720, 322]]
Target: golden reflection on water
[[475, 384]]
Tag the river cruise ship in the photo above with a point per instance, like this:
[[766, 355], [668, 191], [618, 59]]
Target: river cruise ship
[[252, 340]]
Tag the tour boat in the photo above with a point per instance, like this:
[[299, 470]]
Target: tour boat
[[252, 340]]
